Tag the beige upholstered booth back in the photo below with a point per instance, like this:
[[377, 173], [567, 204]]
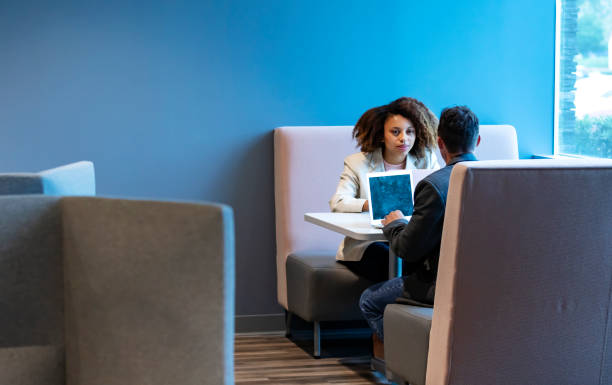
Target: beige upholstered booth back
[[497, 142], [525, 275], [307, 166]]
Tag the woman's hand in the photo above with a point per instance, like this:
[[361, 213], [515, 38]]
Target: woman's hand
[[392, 216], [366, 206]]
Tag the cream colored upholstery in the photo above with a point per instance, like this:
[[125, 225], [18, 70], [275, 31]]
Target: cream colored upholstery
[[307, 166], [497, 142], [525, 278]]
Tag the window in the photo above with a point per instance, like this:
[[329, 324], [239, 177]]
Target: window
[[583, 83]]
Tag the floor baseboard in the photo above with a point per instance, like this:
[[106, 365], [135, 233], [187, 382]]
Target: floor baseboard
[[260, 323], [274, 324]]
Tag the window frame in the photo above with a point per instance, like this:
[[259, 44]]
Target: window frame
[[556, 109]]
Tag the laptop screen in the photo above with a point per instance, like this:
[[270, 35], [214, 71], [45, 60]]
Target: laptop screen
[[389, 193]]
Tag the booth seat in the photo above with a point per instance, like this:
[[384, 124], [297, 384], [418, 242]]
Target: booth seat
[[72, 179], [524, 280], [308, 161], [98, 291]]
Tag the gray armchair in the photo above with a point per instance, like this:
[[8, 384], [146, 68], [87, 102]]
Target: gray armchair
[[108, 291], [71, 179]]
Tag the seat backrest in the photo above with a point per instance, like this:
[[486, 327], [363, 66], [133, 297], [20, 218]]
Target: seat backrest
[[150, 292], [525, 275], [497, 142], [72, 179], [308, 161], [112, 291]]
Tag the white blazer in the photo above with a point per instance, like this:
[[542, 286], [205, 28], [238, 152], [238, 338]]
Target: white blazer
[[351, 193]]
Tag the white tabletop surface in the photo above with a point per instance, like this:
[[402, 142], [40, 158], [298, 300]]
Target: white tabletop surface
[[354, 225]]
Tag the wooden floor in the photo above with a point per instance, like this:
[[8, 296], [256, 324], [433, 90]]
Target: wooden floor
[[279, 360]]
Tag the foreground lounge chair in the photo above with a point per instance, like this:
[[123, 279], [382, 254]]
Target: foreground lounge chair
[[98, 291]]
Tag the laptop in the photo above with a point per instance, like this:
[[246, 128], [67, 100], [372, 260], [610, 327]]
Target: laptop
[[392, 190]]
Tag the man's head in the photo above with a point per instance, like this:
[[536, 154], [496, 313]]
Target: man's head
[[457, 131]]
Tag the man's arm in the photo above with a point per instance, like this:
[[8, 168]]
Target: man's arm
[[413, 240]]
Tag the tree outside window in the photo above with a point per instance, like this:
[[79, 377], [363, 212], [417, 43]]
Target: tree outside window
[[585, 84]]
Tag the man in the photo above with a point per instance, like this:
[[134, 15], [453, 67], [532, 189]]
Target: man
[[418, 242]]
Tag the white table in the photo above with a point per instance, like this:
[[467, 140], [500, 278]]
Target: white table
[[354, 225]]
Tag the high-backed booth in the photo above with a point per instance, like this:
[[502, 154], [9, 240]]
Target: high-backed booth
[[308, 162], [524, 280], [100, 291]]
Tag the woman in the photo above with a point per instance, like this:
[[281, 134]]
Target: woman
[[397, 136]]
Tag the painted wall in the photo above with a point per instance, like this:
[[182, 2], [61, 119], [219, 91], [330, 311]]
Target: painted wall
[[179, 99]]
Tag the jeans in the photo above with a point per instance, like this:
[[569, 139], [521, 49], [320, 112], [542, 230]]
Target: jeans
[[374, 300]]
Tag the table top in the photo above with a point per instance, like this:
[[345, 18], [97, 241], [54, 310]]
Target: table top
[[354, 225]]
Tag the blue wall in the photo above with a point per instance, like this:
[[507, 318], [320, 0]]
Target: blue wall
[[179, 99]]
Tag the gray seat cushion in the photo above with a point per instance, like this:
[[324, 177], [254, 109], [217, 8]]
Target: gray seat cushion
[[407, 341], [321, 289]]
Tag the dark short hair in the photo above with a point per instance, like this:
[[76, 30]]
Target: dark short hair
[[370, 129], [458, 129]]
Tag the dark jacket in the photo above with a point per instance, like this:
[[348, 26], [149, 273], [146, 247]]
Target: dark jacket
[[418, 242]]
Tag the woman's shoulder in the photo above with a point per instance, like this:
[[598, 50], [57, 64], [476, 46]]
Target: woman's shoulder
[[430, 160], [357, 158]]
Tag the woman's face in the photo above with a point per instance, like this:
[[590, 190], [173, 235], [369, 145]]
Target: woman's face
[[399, 135]]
